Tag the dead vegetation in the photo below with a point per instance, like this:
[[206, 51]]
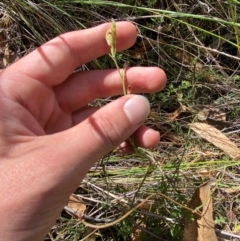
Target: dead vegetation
[[198, 115]]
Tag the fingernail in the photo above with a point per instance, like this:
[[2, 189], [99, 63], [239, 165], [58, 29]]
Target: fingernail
[[137, 109]]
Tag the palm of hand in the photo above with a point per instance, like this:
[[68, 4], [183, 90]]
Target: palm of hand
[[32, 107]]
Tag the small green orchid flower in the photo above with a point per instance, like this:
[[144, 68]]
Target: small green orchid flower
[[111, 36], [111, 39]]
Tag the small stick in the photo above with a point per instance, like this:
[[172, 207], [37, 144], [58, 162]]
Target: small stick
[[119, 219]]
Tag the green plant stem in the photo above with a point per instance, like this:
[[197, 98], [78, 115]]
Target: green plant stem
[[233, 15], [121, 75]]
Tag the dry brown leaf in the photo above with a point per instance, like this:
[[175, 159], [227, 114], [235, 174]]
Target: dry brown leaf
[[231, 190], [217, 138], [176, 113], [76, 205], [212, 113], [201, 227], [204, 173], [182, 109], [217, 114]]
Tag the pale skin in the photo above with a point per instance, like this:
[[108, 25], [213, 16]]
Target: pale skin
[[49, 139]]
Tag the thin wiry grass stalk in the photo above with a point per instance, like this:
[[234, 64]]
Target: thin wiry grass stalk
[[192, 32]]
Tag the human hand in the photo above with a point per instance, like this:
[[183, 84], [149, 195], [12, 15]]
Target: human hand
[[49, 139]]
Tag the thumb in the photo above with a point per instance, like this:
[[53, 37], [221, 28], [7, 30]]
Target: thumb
[[53, 165], [103, 131]]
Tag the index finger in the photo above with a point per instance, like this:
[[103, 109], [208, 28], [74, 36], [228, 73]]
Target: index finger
[[54, 61]]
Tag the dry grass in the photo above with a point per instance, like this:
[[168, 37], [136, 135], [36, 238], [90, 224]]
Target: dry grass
[[196, 42]]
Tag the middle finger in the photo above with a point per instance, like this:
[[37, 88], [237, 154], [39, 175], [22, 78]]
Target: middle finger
[[83, 87]]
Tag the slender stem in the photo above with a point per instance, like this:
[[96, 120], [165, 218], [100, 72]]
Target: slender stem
[[233, 15], [121, 73]]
